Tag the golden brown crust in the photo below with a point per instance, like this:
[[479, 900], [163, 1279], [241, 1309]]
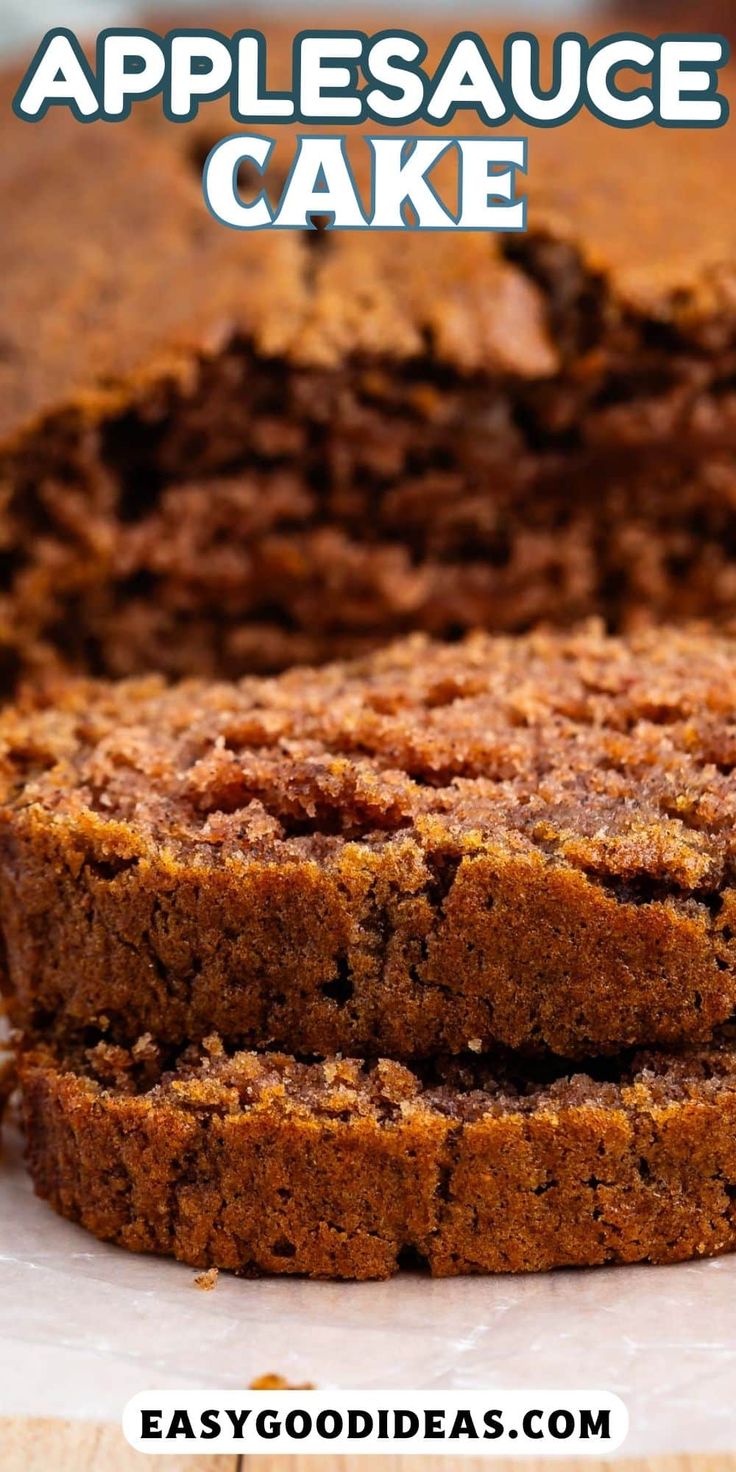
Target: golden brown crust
[[259, 1164], [142, 281], [526, 842]]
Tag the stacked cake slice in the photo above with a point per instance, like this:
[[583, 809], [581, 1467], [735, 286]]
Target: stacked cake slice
[[428, 956]]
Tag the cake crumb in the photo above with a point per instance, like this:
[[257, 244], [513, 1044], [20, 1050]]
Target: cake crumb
[[475, 1045], [207, 1280]]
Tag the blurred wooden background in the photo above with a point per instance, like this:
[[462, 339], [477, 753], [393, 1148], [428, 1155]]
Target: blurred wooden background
[[59, 1446]]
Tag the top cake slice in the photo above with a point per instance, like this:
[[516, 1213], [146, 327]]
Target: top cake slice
[[223, 452], [518, 842]]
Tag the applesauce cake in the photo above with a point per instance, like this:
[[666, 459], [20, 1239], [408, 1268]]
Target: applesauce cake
[[344, 1169], [461, 885], [524, 842]]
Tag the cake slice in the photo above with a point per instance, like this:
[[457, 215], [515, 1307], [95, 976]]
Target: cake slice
[[341, 1169], [526, 842], [224, 452]]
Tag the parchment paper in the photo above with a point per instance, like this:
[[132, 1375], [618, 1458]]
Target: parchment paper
[[84, 1326]]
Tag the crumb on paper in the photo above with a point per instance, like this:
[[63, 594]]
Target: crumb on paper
[[277, 1382], [207, 1280]]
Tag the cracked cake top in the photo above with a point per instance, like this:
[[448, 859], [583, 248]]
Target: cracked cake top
[[610, 755]]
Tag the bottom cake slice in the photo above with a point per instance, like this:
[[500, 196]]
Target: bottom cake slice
[[262, 1163]]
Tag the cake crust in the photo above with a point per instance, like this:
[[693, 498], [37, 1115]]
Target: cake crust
[[519, 842]]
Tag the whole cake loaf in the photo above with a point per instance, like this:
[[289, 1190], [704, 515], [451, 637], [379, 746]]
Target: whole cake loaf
[[526, 842], [339, 1169], [222, 453]]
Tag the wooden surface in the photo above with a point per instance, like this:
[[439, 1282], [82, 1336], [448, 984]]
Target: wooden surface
[[63, 1446]]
